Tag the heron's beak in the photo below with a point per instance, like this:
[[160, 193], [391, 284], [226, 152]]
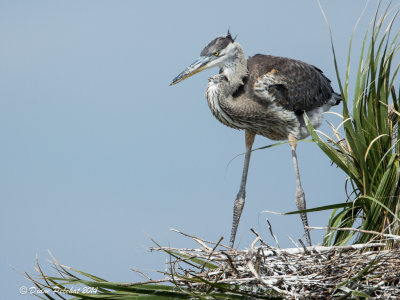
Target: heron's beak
[[199, 65]]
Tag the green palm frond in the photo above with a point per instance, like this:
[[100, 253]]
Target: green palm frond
[[368, 149]]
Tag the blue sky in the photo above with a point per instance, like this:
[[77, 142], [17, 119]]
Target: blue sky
[[97, 151]]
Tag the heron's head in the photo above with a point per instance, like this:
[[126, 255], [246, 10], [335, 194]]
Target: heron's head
[[218, 53]]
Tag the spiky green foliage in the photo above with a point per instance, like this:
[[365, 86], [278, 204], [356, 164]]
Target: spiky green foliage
[[369, 152]]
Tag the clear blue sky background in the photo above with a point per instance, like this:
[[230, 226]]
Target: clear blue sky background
[[96, 150]]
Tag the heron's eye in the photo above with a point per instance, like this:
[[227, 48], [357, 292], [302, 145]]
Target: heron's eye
[[216, 53]]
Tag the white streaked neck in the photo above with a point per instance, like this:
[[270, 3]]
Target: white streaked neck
[[235, 69]]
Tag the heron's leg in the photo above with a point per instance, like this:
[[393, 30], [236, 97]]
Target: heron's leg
[[239, 202], [300, 197]]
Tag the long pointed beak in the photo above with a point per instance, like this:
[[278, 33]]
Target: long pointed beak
[[199, 65]]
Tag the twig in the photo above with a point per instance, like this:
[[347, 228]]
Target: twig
[[258, 235], [141, 273], [208, 258], [148, 282], [273, 235], [304, 246], [199, 239], [390, 236], [230, 261], [293, 242]]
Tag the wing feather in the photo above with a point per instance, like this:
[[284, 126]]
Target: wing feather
[[293, 84]]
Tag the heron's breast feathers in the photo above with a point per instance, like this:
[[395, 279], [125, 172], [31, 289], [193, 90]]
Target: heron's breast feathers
[[216, 92], [242, 112]]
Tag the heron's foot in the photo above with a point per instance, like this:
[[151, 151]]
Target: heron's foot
[[301, 205], [237, 212]]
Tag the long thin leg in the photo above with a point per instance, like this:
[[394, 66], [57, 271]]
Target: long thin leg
[[300, 197], [239, 202]]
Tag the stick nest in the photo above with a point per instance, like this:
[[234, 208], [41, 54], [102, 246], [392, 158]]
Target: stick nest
[[264, 271]]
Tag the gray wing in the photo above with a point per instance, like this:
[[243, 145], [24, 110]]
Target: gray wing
[[293, 84]]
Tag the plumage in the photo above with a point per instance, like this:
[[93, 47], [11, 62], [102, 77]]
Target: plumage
[[216, 45], [265, 95], [275, 92], [297, 85]]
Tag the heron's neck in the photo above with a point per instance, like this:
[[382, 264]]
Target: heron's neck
[[235, 69]]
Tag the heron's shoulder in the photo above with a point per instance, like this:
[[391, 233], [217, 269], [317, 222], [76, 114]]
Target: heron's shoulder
[[291, 83], [261, 64]]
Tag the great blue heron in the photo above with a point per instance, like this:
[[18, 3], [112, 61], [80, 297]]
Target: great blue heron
[[265, 95]]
